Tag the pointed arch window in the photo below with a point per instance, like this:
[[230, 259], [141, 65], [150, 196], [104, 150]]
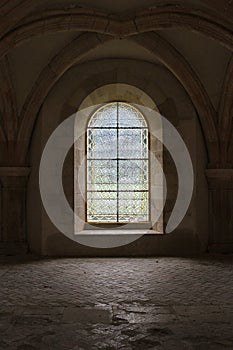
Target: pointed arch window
[[117, 165]]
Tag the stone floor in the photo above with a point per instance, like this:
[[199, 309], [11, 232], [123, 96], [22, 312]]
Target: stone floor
[[138, 304]]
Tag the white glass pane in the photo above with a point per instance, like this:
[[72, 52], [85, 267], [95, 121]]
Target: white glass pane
[[132, 143], [129, 117], [117, 165], [102, 143], [105, 117], [102, 206]]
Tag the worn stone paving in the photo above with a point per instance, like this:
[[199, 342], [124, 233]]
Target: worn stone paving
[[130, 304]]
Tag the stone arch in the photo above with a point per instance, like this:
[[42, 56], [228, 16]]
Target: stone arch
[[225, 113], [115, 92], [230, 147], [112, 72], [182, 70], [118, 91], [121, 26], [8, 101], [98, 73], [166, 53], [67, 57], [14, 11]]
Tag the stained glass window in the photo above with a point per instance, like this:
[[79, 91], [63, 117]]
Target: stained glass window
[[117, 165]]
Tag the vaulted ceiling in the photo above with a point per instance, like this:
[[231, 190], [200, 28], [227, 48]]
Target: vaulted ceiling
[[193, 39]]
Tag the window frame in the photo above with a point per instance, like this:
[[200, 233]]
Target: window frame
[[107, 225]]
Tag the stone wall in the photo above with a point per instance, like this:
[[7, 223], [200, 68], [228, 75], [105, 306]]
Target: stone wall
[[164, 90]]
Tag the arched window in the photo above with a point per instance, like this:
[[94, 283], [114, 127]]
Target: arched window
[[117, 165]]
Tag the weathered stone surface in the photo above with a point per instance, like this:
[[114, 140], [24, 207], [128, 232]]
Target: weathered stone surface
[[129, 304], [86, 315], [220, 209], [13, 182]]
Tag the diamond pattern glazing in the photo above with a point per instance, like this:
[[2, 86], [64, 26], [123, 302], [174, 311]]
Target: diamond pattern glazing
[[117, 165]]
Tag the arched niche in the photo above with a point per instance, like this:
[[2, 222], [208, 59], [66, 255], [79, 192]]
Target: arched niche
[[135, 96]]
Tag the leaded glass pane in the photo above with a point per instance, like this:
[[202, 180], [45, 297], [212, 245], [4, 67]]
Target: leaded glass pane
[[102, 175], [133, 143], [133, 175], [130, 117], [102, 143], [102, 206], [105, 117], [117, 165], [133, 206]]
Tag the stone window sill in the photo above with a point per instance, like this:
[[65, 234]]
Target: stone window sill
[[119, 232]]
